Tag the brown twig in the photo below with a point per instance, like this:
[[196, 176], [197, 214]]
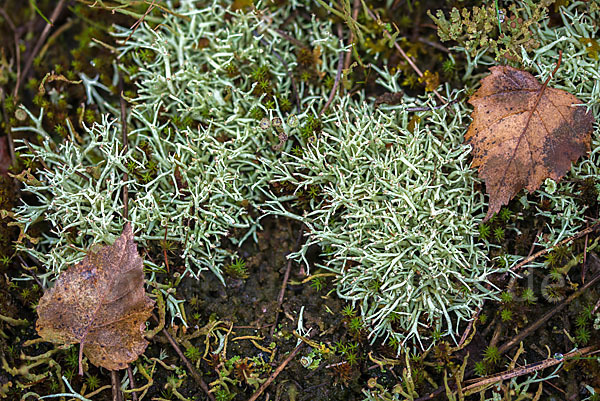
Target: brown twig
[[125, 147], [434, 44], [165, 248], [561, 243], [195, 375], [524, 333], [64, 27], [289, 38], [137, 23], [286, 277], [470, 326], [116, 390], [583, 266], [412, 109], [338, 75], [132, 383], [532, 367], [55, 14], [355, 9], [17, 52], [11, 144], [375, 17], [276, 373], [30, 270]]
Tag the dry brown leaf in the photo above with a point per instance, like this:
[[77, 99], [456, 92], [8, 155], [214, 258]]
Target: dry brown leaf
[[101, 304], [524, 132]]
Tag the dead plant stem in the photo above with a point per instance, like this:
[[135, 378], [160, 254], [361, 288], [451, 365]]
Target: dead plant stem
[[195, 375], [276, 372], [55, 14]]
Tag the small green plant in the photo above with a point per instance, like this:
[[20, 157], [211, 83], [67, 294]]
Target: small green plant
[[351, 358], [581, 320], [355, 325], [72, 358], [506, 297], [317, 283], [505, 215], [528, 296], [93, 382], [480, 368], [449, 66], [237, 269], [4, 260], [348, 311], [499, 234], [491, 355], [193, 353], [583, 335], [506, 315], [588, 312], [484, 231]]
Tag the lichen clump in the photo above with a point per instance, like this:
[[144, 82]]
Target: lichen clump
[[395, 213], [218, 139], [205, 79]]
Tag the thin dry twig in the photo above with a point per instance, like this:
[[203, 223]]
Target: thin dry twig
[[125, 147], [132, 385], [116, 390], [524, 333], [355, 9], [434, 44], [17, 50], [536, 255], [289, 38], [61, 29], [338, 75], [30, 270], [439, 106], [11, 144], [286, 277], [55, 14], [276, 373], [470, 326], [137, 23], [195, 375], [165, 248], [375, 17], [527, 369]]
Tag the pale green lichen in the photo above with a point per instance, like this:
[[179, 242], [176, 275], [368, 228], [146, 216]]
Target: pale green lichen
[[212, 152], [396, 213], [392, 203], [194, 141]]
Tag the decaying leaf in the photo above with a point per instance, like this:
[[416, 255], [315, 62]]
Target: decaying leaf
[[524, 132], [101, 304]]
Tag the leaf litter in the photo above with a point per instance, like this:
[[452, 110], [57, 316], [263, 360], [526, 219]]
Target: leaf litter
[[524, 132], [101, 304]]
